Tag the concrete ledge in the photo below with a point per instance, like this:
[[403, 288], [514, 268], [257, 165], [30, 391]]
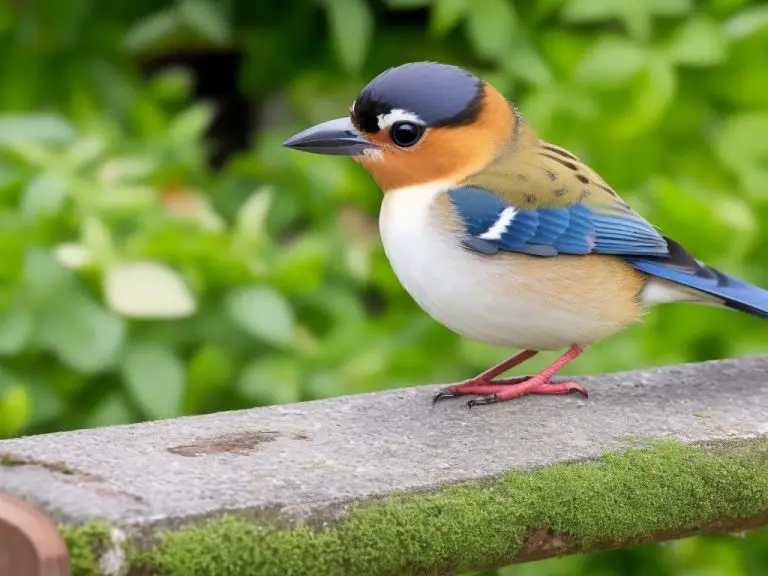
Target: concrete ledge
[[385, 484]]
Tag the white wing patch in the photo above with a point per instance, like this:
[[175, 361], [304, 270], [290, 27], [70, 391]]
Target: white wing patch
[[397, 115], [500, 226]]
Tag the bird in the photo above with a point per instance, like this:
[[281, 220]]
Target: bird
[[503, 237]]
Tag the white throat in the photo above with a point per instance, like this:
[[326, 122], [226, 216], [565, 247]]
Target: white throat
[[418, 251], [405, 227]]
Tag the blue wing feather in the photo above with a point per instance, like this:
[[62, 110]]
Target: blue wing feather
[[575, 229], [476, 209], [526, 225], [580, 229], [552, 226]]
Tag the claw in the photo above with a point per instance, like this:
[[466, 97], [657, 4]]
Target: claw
[[481, 400], [442, 395]]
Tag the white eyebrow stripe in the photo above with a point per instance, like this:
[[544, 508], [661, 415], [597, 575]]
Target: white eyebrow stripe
[[500, 226], [397, 115]]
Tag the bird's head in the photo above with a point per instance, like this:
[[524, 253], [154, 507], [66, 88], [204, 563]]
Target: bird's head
[[418, 123]]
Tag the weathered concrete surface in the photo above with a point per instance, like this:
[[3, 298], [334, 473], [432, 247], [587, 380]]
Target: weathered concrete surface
[[296, 457]]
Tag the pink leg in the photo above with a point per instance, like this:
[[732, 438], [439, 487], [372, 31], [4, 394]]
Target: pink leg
[[501, 391], [502, 367], [481, 382]]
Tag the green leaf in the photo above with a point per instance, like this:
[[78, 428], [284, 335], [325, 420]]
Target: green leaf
[[612, 61], [148, 290], [491, 26], [190, 125], [84, 151], [670, 8], [34, 127], [300, 267], [126, 169], [152, 30], [80, 333], [747, 22], [97, 241], [636, 16], [8, 176], [263, 313], [638, 25], [404, 4], [741, 139], [210, 368], [111, 411], [72, 255], [742, 146], [271, 380], [252, 216], [15, 328], [653, 92], [44, 277], [543, 9], [207, 19], [125, 201], [43, 196], [15, 410], [155, 379], [446, 14], [698, 42], [527, 64], [594, 10], [351, 25], [7, 17], [45, 403], [7, 380], [602, 10], [173, 85], [37, 154]]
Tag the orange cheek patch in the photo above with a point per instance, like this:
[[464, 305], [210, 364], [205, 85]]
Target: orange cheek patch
[[446, 153]]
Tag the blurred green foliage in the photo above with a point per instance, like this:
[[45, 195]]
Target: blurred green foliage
[[163, 255]]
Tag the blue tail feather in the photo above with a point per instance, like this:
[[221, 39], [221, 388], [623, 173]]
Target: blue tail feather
[[683, 269], [735, 293]]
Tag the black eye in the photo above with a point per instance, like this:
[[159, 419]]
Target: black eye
[[405, 134]]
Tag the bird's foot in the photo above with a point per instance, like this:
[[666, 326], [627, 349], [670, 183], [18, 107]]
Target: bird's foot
[[507, 389], [475, 386], [491, 391], [515, 390]]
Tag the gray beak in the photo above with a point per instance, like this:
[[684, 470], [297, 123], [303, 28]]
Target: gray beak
[[337, 137]]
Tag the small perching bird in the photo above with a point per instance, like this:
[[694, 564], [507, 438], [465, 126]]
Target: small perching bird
[[503, 237]]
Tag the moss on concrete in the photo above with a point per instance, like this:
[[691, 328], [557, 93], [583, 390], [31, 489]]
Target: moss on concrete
[[620, 498], [86, 544]]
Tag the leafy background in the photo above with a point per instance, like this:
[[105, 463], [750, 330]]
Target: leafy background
[[163, 255]]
